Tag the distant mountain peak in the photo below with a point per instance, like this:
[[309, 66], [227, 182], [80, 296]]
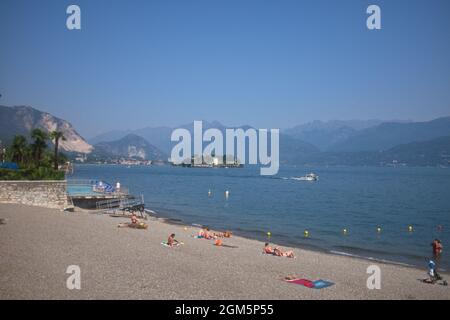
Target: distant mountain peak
[[131, 146]]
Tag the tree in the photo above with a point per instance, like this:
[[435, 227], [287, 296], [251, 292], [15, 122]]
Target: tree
[[18, 149], [39, 144], [56, 136]]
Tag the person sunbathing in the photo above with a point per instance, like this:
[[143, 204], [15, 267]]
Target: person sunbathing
[[171, 241], [207, 234], [277, 251], [268, 249], [289, 254], [226, 234], [134, 219]]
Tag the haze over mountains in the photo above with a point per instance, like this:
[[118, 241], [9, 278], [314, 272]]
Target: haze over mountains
[[325, 134], [338, 142], [131, 147]]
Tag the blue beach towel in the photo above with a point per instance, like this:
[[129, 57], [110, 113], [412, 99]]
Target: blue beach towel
[[320, 284]]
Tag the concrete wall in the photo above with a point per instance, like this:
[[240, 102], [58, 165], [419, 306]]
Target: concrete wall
[[49, 194]]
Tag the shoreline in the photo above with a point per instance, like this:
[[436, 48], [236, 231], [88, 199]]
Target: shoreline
[[38, 244], [413, 253], [311, 248]]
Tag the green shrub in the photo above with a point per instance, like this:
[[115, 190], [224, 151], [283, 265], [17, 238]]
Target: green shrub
[[38, 173]]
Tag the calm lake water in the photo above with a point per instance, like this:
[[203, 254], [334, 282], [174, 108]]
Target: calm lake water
[[356, 198]]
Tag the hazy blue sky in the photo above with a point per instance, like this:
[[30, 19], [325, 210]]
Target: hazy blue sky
[[268, 63]]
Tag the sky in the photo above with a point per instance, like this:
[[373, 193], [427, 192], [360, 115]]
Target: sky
[[266, 63]]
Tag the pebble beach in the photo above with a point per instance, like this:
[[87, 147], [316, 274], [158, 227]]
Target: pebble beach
[[37, 245]]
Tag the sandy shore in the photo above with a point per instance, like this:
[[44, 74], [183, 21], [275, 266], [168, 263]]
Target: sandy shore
[[37, 245]]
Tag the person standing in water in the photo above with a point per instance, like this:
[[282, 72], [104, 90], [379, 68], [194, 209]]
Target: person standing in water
[[437, 247]]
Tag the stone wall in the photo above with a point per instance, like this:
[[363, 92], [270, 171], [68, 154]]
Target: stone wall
[[49, 194]]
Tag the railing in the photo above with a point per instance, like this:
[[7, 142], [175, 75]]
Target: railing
[[90, 184], [121, 204], [81, 182]]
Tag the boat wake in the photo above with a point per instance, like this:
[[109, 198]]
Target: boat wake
[[305, 178]]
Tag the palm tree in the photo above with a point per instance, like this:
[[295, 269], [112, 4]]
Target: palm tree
[[18, 149], [39, 144], [56, 136]]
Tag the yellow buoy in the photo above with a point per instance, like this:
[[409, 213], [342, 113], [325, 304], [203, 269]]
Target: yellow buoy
[[306, 233]]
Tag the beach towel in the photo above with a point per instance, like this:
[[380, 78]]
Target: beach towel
[[139, 225], [164, 243], [304, 282], [201, 237], [318, 284]]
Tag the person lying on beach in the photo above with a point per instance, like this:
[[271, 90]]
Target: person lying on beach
[[277, 251], [268, 249], [206, 234], [140, 225], [171, 241], [280, 253], [226, 234], [135, 223]]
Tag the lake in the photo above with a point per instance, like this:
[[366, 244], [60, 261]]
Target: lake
[[359, 199]]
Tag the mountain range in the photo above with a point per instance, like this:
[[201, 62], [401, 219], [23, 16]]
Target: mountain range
[[324, 134], [337, 142], [390, 134]]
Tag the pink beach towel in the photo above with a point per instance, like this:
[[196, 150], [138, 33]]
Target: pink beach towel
[[303, 282]]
